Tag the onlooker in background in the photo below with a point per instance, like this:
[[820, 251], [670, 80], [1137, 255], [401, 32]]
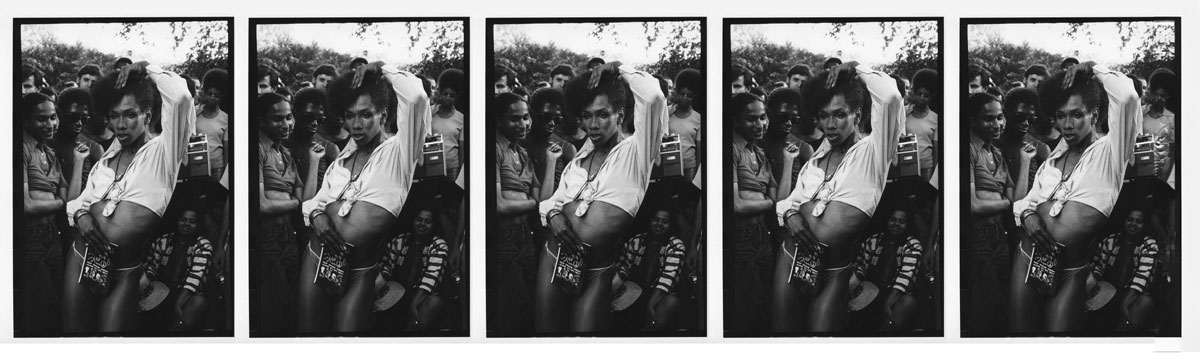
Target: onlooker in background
[[87, 75]]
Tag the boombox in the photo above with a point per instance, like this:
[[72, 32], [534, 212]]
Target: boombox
[[196, 164], [433, 159], [1144, 157], [670, 158], [908, 163]]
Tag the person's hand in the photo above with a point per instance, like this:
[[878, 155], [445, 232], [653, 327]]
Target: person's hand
[[81, 152], [564, 234], [325, 231], [801, 235], [1082, 72], [368, 71], [136, 70], [846, 70], [611, 67], [1027, 152], [316, 151], [91, 233], [791, 151], [553, 152], [1036, 229]]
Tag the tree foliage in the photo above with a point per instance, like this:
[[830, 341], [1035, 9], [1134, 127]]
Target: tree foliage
[[61, 61], [771, 62]]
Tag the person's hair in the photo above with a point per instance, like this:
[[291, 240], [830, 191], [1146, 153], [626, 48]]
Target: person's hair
[[736, 104], [453, 79], [691, 79], [30, 70], [927, 79], [499, 105], [737, 71], [985, 77], [595, 61], [1018, 96], [1137, 84], [125, 60], [578, 95], [544, 96], [74, 96], [105, 95], [833, 61], [520, 91], [995, 91], [899, 84], [325, 69], [1037, 69], [1052, 95], [266, 71], [263, 104], [758, 91], [48, 91], [341, 94], [359, 61], [783, 95], [815, 96], [310, 96], [1015, 84], [199, 216], [89, 69], [1163, 78], [283, 90], [29, 102], [500, 71], [215, 78], [801, 69], [1068, 62], [306, 84], [562, 69], [975, 104]]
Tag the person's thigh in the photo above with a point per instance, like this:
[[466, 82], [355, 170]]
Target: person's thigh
[[550, 302], [590, 312], [667, 312], [830, 308], [903, 311], [79, 303], [314, 305], [787, 303], [194, 312], [429, 311], [1141, 313], [352, 312], [118, 310], [1025, 307], [1064, 311]]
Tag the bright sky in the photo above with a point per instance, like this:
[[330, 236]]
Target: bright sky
[[1052, 37], [157, 46], [866, 46], [392, 46], [625, 42]]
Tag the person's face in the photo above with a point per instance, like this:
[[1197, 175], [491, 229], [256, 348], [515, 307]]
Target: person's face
[[1033, 80], [86, 81], [188, 221], [311, 118], [211, 97], [796, 80], [989, 122], [265, 86], [683, 97], [739, 85], [1135, 223], [920, 96], [559, 80], [601, 119], [783, 118], [975, 86], [660, 223], [423, 223], [907, 85], [549, 117], [278, 122], [129, 122], [1075, 120], [838, 120], [43, 121], [897, 223], [751, 124], [1022, 117], [1159, 97], [670, 85], [29, 86], [447, 97], [515, 122], [501, 85], [77, 115], [322, 81], [363, 119]]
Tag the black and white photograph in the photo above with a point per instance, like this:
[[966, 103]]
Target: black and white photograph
[[833, 223], [595, 203], [1071, 154], [359, 205], [125, 200]]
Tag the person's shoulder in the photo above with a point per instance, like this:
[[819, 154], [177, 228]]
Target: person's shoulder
[[914, 242]]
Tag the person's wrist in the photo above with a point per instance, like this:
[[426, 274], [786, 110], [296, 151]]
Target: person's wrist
[[551, 214], [312, 219], [1026, 214], [79, 213]]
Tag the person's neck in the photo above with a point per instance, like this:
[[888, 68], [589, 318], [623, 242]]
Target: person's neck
[[682, 110], [846, 144], [136, 144], [210, 111], [920, 110], [186, 238], [1083, 144], [445, 111], [1157, 111], [1044, 131], [371, 143], [808, 133], [607, 146], [421, 239]]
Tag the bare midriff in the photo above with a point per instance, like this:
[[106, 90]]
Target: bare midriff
[[1076, 227], [506, 221], [129, 226], [601, 227], [751, 219], [363, 227], [838, 227]]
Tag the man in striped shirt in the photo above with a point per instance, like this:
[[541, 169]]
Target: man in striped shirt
[[895, 274], [1127, 260], [421, 276], [180, 261], [657, 273]]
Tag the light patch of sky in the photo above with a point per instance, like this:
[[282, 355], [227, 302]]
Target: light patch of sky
[[157, 46], [623, 41], [866, 45], [1102, 46], [386, 41]]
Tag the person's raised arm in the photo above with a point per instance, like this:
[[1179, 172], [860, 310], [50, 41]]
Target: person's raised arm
[[790, 152], [552, 154], [412, 120], [315, 153], [887, 115], [649, 116], [178, 112], [75, 186]]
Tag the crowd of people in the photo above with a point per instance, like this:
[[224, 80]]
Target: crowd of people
[[1073, 203], [126, 204], [361, 202], [815, 157], [598, 225]]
